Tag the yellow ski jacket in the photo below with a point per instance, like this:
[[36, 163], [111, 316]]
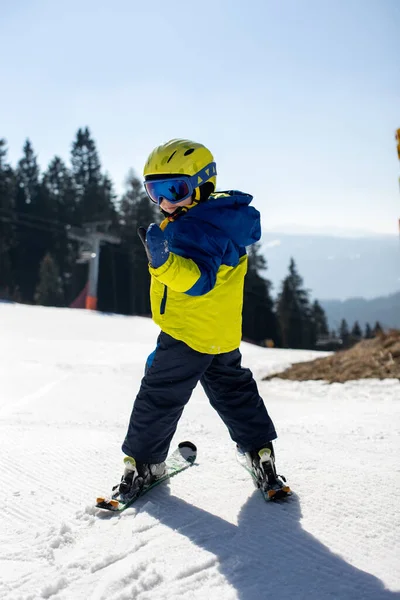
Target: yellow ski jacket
[[197, 294]]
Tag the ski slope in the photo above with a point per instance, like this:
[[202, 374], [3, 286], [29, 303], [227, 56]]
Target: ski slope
[[67, 382]]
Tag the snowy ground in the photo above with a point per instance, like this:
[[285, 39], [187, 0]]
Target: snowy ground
[[67, 382]]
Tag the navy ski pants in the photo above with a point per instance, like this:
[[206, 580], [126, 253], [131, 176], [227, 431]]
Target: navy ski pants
[[172, 372]]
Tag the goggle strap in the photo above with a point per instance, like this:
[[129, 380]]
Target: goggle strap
[[203, 175]]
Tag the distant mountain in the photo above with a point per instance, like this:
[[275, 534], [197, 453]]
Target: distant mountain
[[334, 266], [385, 309]]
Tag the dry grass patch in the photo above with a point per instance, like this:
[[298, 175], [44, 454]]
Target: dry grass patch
[[378, 358]]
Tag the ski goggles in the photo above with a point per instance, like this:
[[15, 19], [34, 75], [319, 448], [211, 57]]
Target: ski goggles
[[179, 188]]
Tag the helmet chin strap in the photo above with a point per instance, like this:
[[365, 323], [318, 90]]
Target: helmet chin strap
[[169, 217], [181, 210]]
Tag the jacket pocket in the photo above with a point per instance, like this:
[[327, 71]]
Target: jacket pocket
[[163, 301]]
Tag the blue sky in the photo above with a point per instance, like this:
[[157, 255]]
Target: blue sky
[[299, 100]]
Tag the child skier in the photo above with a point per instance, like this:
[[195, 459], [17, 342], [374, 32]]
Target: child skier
[[197, 262]]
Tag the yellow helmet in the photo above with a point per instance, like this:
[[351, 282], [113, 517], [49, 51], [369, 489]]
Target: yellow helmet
[[181, 157]]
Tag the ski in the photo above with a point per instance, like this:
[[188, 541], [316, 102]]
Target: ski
[[278, 491], [183, 457]]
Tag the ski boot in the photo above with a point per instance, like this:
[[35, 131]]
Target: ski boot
[[262, 465], [136, 477]]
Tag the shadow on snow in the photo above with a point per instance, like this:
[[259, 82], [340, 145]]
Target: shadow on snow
[[268, 554]]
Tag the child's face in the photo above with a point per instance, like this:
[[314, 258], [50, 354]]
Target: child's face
[[169, 207]]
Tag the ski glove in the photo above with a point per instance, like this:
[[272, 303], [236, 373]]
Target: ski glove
[[156, 245]]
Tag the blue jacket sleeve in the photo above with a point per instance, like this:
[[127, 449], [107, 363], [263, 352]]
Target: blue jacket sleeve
[[206, 247]]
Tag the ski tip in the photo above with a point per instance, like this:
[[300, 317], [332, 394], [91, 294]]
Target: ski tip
[[102, 502], [187, 445], [188, 451]]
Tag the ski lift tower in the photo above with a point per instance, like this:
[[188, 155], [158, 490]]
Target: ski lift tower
[[91, 240]]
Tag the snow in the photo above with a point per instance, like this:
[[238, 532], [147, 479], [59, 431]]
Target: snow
[[67, 382]]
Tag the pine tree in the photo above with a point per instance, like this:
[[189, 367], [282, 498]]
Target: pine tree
[[377, 330], [259, 320], [319, 320], [110, 200], [27, 179], [49, 291], [85, 162], [33, 230], [356, 332], [136, 210], [294, 312], [59, 183], [94, 190], [7, 223], [344, 333], [368, 332], [61, 193]]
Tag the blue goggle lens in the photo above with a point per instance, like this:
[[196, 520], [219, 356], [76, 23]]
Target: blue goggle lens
[[173, 190]]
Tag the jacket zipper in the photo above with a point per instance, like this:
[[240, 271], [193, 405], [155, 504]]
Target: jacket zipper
[[163, 301]]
